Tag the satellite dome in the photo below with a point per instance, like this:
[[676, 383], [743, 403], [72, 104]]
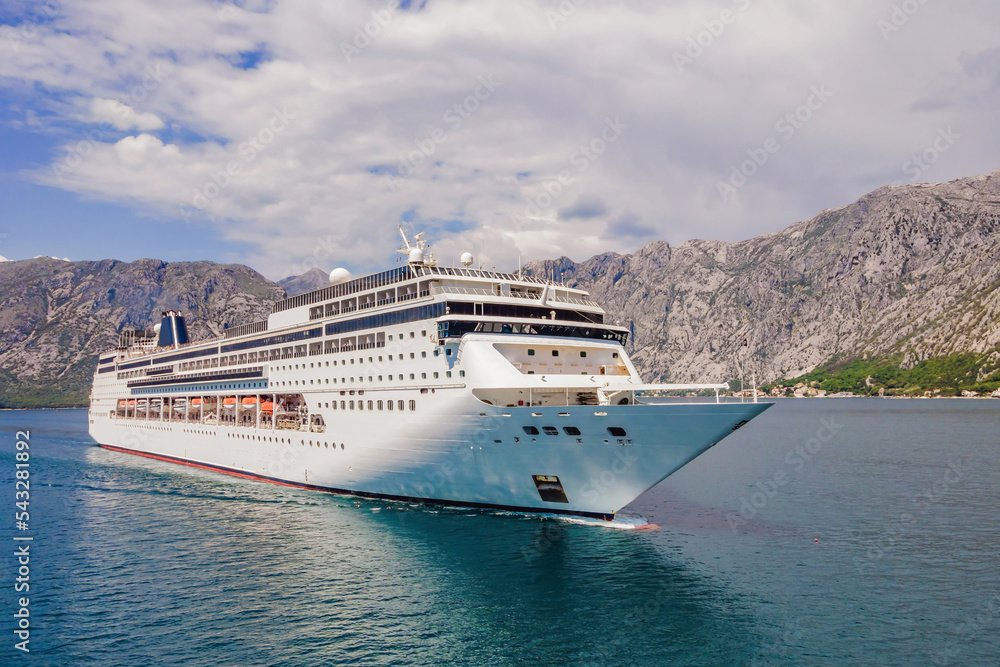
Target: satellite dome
[[156, 328], [416, 256], [338, 276], [466, 259]]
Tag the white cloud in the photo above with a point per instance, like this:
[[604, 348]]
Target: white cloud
[[265, 128], [122, 116]]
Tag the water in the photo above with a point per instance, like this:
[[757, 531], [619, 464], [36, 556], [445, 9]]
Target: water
[[142, 562]]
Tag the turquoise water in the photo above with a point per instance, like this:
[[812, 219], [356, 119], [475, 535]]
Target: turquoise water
[[142, 562]]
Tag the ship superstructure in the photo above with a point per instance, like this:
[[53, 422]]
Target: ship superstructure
[[458, 386]]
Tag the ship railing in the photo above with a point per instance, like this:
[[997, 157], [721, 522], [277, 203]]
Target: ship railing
[[484, 291]]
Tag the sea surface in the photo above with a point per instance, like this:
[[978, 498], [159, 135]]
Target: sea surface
[[827, 531]]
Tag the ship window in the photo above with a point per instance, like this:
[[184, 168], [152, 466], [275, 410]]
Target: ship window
[[361, 405], [369, 405], [380, 405], [583, 354], [412, 356], [616, 431], [411, 376], [614, 355], [400, 376], [412, 335], [389, 406], [550, 430], [390, 336], [436, 352], [555, 353], [424, 333], [335, 405], [461, 374], [447, 374], [352, 405], [530, 430], [531, 352], [413, 405], [435, 375], [424, 354], [571, 430], [447, 352], [400, 404], [423, 376], [379, 378]]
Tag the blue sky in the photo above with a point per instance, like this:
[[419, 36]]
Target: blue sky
[[291, 134]]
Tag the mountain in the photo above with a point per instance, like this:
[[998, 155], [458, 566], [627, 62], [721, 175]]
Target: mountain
[[56, 316], [908, 272], [307, 282]]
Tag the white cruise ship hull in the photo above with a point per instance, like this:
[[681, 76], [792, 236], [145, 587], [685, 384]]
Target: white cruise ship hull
[[463, 454]]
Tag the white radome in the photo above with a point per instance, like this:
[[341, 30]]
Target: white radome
[[156, 328], [466, 259], [339, 275]]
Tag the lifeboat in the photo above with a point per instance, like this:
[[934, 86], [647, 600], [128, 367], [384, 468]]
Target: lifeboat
[[195, 401], [249, 400], [229, 402], [267, 406], [121, 403], [131, 401]]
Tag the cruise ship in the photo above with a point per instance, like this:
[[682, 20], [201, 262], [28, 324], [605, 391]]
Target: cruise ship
[[453, 386]]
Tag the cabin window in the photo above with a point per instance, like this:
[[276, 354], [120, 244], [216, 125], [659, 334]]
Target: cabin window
[[369, 405], [361, 405], [411, 376], [424, 354], [530, 430], [389, 405], [571, 430], [447, 352], [616, 431], [424, 333], [380, 405], [352, 405], [413, 405], [531, 352], [583, 354], [447, 374], [435, 375], [400, 405]]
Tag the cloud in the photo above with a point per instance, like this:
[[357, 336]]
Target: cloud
[[628, 226], [122, 116], [585, 207], [304, 132]]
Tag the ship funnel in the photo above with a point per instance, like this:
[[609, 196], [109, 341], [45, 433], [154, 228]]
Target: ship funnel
[[173, 330]]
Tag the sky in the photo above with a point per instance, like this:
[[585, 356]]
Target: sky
[[287, 135]]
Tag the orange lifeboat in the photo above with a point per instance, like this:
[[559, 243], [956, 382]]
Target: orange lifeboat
[[131, 401], [195, 401], [121, 403], [249, 400], [267, 406], [229, 400]]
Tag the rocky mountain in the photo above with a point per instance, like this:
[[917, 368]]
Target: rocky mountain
[[307, 282], [911, 271], [57, 316]]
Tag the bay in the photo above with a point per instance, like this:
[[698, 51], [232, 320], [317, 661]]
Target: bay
[[828, 531]]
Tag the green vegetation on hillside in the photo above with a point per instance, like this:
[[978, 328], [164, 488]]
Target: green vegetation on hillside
[[943, 376]]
